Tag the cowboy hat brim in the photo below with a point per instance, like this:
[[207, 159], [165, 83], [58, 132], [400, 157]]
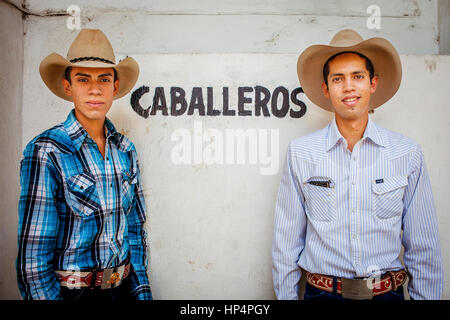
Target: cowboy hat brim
[[53, 67], [380, 52]]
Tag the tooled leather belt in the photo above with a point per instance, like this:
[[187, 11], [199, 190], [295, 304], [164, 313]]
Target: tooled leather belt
[[359, 288], [105, 278]]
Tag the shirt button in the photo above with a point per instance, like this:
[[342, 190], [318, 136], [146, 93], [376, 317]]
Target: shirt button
[[354, 236]]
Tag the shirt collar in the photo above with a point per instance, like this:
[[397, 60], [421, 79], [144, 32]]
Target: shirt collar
[[334, 136], [111, 131], [78, 133], [371, 132]]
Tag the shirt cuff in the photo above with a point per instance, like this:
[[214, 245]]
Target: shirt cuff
[[143, 292]]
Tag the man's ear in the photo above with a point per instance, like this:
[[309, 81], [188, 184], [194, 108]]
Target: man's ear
[[373, 84], [116, 87], [325, 91], [67, 87]]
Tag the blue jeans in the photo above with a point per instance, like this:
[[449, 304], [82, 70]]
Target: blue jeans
[[312, 293]]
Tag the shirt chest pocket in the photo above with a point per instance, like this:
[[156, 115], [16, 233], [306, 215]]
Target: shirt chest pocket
[[129, 181], [388, 196], [82, 196], [320, 198]]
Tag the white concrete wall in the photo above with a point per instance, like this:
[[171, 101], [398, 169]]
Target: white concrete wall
[[444, 26], [11, 78], [238, 26], [210, 226]]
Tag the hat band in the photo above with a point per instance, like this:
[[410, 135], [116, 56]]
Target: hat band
[[91, 59]]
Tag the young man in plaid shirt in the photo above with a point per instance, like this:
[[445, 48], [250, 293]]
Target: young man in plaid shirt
[[81, 228]]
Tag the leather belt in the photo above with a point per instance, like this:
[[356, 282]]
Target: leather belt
[[359, 288], [105, 279]]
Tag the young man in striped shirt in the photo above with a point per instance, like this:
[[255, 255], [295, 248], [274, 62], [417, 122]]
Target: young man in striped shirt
[[81, 231], [353, 193]]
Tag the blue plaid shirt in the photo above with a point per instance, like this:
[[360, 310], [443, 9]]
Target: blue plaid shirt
[[78, 211]]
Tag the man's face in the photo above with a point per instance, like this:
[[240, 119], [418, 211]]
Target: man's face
[[92, 90], [349, 86]]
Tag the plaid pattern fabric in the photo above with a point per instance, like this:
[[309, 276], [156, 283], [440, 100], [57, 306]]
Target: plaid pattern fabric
[[78, 211]]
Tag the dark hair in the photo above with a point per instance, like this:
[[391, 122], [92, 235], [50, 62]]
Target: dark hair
[[369, 65], [69, 69]]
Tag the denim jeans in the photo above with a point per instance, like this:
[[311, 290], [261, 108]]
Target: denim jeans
[[312, 293]]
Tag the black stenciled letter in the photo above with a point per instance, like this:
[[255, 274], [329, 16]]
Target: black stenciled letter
[[242, 100], [159, 102], [210, 103], [196, 102], [135, 97], [262, 104], [177, 99], [285, 106], [226, 111], [300, 113]]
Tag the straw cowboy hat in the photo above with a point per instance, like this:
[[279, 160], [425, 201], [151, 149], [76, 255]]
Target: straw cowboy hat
[[90, 49], [380, 52]]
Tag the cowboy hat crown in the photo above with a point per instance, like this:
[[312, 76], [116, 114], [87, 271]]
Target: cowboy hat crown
[[91, 44]]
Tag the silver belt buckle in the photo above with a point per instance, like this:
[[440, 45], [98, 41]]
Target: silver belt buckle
[[112, 277], [105, 280], [356, 289]]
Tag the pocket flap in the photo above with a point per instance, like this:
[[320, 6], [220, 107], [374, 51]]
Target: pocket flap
[[130, 177], [82, 195], [387, 184], [81, 182]]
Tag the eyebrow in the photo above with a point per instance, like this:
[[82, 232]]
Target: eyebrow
[[341, 74], [89, 76], [82, 74]]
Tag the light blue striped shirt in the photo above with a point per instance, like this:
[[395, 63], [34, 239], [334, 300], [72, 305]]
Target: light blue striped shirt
[[351, 225]]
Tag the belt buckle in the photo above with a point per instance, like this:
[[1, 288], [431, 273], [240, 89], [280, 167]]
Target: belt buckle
[[107, 273], [356, 289], [112, 277]]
